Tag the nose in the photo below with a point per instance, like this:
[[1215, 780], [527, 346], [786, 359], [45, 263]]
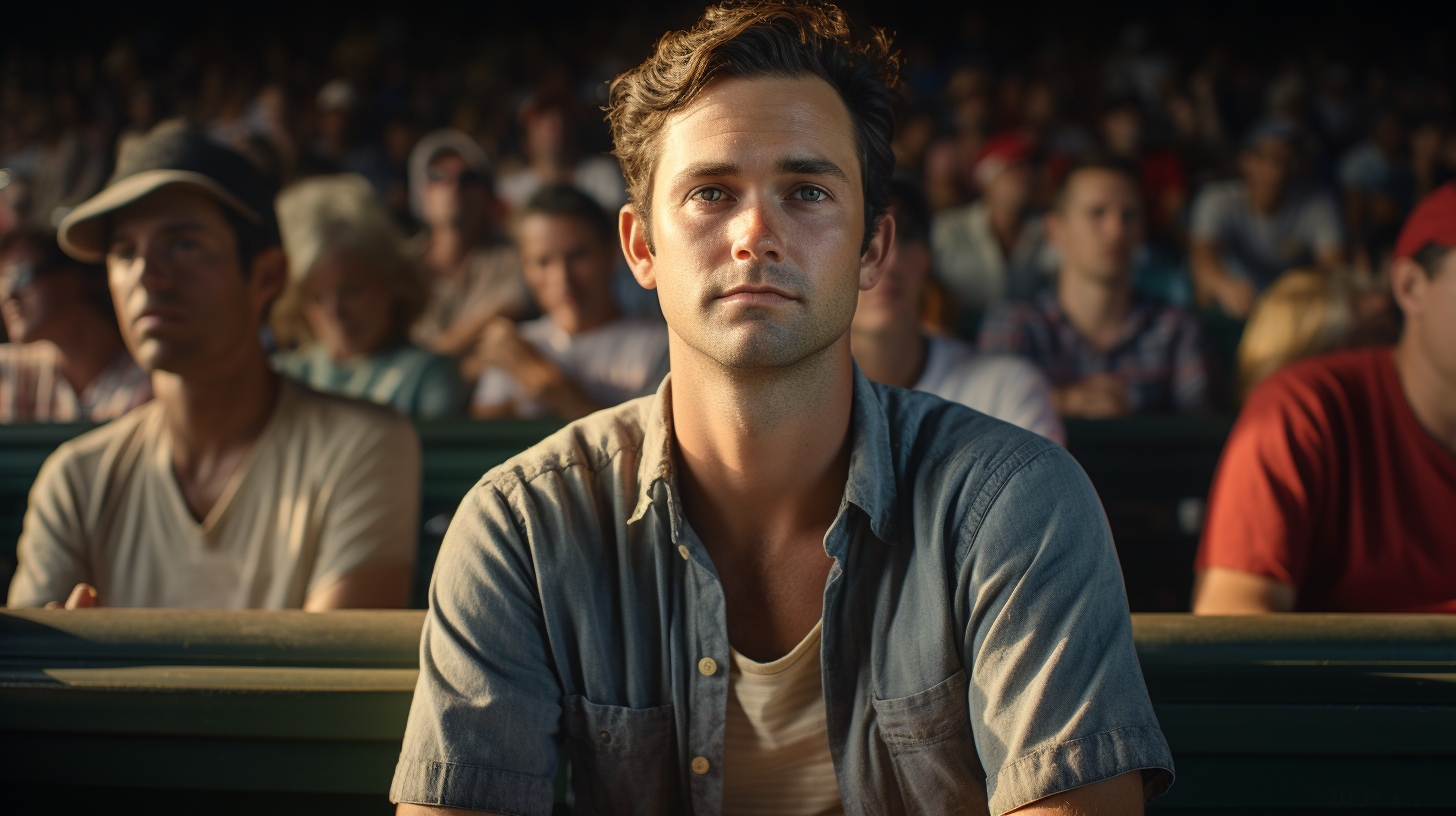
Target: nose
[[756, 235]]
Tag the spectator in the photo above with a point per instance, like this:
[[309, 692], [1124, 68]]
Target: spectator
[[233, 488], [351, 299], [583, 354], [1305, 313], [551, 124], [856, 560], [994, 248], [1245, 233], [891, 347], [65, 361], [1108, 349], [475, 273], [1335, 489], [1379, 189], [1164, 183]]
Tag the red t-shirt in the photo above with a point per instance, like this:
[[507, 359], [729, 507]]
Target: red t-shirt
[[1328, 483]]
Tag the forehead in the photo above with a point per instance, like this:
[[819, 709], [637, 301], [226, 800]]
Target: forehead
[[167, 207], [763, 119], [1095, 184]]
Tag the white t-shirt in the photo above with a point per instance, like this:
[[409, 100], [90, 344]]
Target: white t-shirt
[[1006, 387], [331, 484], [1258, 247], [621, 360]]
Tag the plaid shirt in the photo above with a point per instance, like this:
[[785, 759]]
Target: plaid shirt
[[1159, 353]]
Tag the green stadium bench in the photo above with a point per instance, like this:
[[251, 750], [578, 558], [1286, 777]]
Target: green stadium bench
[[1286, 714], [1151, 472]]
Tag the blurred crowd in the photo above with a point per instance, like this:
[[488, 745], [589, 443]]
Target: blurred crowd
[[1264, 188]]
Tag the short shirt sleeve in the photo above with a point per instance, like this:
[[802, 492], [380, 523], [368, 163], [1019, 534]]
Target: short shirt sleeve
[[373, 514], [1261, 507], [1056, 696], [51, 554], [484, 724]]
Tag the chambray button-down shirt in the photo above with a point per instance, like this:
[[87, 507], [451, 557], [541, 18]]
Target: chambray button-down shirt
[[976, 653]]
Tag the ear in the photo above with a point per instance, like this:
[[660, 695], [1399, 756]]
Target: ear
[[267, 277], [876, 259], [632, 229], [1408, 283]]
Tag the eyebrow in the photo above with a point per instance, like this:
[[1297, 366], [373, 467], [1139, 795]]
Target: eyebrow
[[802, 165], [180, 225]]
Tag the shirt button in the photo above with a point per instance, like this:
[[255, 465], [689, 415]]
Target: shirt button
[[682, 549], [700, 765], [708, 666], [606, 736]]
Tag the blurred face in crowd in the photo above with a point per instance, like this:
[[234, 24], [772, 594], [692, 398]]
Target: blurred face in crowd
[[1010, 189], [184, 301], [1123, 129], [896, 301], [1428, 300], [37, 303], [758, 216], [1267, 167], [569, 269], [348, 305], [1098, 226], [454, 195], [546, 133]]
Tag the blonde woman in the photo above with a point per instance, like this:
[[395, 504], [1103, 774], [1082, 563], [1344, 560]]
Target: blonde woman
[[351, 299], [1306, 312]]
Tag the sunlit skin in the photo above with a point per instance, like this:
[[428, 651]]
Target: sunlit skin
[[1096, 229], [757, 221], [349, 307], [1425, 361]]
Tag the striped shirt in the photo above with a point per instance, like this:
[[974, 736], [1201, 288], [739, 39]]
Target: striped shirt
[[776, 759], [33, 389], [1159, 353]]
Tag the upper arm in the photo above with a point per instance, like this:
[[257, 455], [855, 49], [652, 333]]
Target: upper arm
[[1265, 496], [1057, 699], [372, 586], [484, 723], [1118, 796], [51, 553], [1223, 591], [373, 511]]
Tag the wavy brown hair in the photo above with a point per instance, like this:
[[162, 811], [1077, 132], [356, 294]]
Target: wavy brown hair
[[760, 39]]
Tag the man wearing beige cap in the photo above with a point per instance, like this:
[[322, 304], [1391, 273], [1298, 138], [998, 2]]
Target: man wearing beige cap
[[234, 488]]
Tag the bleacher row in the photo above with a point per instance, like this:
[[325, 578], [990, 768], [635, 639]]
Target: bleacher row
[[289, 712], [1152, 474]]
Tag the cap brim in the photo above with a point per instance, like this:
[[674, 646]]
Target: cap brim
[[80, 233]]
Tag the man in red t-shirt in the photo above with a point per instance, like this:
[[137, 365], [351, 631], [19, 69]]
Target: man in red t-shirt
[[1337, 489]]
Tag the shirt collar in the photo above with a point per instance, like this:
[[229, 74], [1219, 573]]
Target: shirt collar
[[871, 483]]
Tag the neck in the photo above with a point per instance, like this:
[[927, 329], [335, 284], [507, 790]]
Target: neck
[[764, 454], [1005, 224], [449, 245], [894, 356], [1265, 202], [1431, 396], [1095, 308], [86, 348], [212, 415]]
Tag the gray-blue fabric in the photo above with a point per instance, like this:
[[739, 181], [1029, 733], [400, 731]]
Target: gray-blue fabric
[[977, 653]]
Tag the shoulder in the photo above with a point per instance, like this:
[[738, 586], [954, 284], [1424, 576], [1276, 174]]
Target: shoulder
[[331, 422], [20, 356], [81, 460], [584, 447], [1313, 397]]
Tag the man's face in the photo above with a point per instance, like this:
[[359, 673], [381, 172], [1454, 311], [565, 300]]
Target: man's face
[[348, 306], [33, 301], [895, 302], [568, 267], [1099, 225], [1267, 166], [182, 298], [1010, 188], [454, 195], [1434, 328], [758, 216]]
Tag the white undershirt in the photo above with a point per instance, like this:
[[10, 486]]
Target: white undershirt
[[776, 751]]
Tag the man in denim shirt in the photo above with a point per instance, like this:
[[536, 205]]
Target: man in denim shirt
[[776, 587]]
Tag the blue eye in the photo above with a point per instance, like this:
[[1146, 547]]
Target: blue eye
[[810, 194], [710, 194]]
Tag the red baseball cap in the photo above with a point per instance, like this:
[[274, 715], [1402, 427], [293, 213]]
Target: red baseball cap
[[1002, 149], [1432, 221]]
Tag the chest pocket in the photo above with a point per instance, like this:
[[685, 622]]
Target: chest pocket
[[624, 760], [928, 736]]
